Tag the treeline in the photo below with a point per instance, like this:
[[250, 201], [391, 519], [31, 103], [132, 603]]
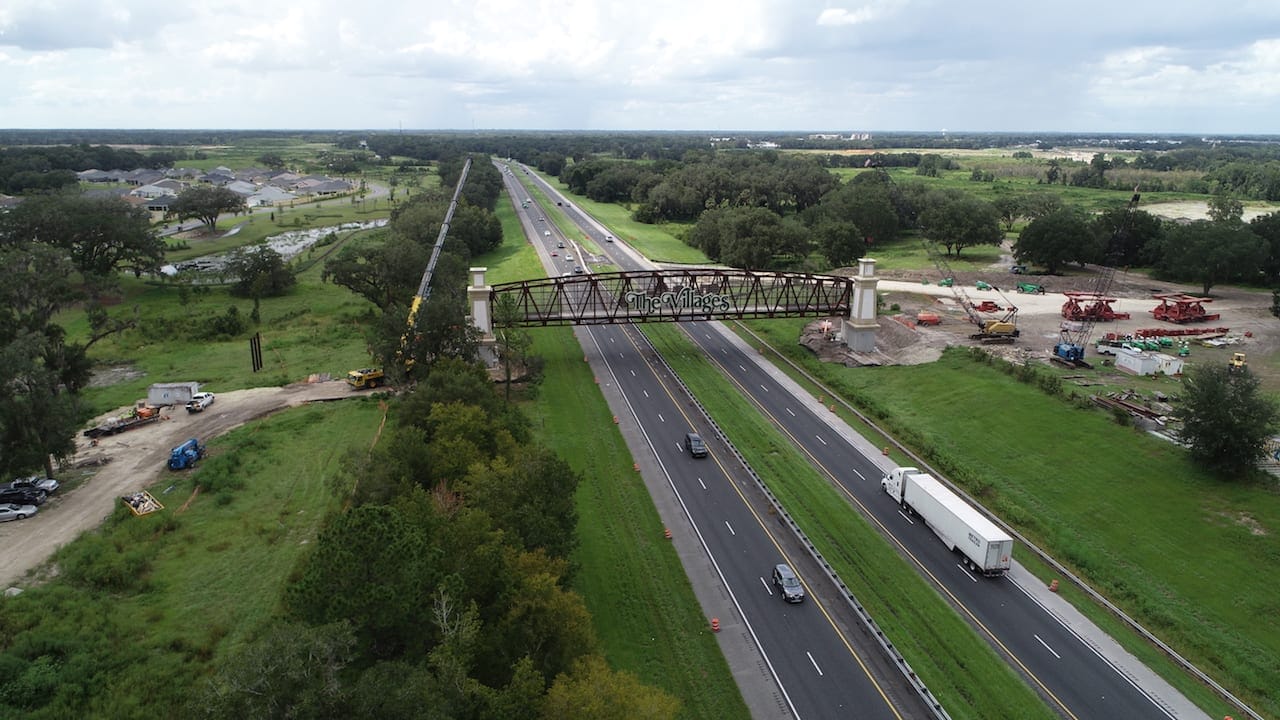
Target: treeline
[[36, 169], [443, 591], [1209, 252]]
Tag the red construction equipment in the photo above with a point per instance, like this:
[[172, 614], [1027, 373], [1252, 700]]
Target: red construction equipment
[[928, 318], [988, 306], [1081, 306], [1180, 308]]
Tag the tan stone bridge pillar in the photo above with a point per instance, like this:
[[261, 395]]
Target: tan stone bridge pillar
[[859, 329], [478, 294]]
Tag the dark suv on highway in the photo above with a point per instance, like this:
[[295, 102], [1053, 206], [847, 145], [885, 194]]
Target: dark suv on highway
[[788, 584], [693, 443]]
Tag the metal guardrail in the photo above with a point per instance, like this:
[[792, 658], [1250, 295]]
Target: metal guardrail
[[886, 645], [1097, 597]]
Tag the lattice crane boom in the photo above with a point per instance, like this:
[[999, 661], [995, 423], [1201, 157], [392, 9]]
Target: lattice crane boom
[[1074, 335]]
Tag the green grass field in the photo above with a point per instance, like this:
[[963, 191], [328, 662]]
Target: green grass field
[[317, 328], [145, 605]]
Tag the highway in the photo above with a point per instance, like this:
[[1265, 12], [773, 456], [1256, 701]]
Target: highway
[[817, 668], [1075, 680]]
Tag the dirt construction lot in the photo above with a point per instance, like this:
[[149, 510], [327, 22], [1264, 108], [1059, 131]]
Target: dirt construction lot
[[1245, 313], [134, 460]]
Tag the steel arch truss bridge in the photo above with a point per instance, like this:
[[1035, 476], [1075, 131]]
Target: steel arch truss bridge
[[675, 296]]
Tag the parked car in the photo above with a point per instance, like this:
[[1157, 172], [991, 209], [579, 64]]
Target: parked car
[[693, 443], [788, 584], [13, 511], [199, 402], [36, 482], [23, 496]]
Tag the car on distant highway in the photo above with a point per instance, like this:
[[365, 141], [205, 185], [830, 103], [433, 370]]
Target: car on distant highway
[[608, 238], [13, 511], [577, 269]]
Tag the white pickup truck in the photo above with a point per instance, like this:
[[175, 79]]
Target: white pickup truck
[[199, 402]]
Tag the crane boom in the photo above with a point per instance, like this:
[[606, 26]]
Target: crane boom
[[1003, 330], [1073, 336], [424, 287]]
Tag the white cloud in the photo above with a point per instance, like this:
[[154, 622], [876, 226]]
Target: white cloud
[[665, 64]]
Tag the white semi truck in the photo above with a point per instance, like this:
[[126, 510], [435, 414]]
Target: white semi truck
[[985, 547]]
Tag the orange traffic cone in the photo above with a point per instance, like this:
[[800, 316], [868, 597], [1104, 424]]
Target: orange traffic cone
[[667, 532], [715, 624]]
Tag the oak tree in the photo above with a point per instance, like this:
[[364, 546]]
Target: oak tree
[[205, 203], [1226, 420]]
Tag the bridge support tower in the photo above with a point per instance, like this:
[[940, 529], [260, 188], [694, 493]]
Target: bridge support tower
[[478, 294], [858, 331]]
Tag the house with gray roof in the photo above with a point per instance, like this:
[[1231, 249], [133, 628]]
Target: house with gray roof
[[241, 187], [269, 195], [158, 188], [330, 187]]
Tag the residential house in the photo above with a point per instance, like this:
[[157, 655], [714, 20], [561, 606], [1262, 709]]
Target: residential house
[[242, 188], [159, 206], [331, 187], [161, 187], [143, 176], [94, 176], [269, 195], [217, 178]]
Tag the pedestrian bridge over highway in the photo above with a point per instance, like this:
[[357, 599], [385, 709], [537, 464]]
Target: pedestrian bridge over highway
[[675, 296], [679, 295]]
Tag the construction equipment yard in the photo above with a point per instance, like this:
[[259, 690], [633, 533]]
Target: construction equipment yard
[[1244, 313]]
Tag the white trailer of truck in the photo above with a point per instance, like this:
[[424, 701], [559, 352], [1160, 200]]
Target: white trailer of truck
[[985, 547]]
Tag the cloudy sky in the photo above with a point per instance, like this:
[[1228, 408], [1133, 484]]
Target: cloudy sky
[[840, 65]]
